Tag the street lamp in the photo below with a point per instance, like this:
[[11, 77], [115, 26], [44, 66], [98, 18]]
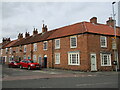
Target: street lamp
[[115, 42]]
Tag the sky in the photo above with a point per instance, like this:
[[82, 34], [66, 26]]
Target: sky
[[19, 17]]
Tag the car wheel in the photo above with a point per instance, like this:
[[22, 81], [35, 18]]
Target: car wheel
[[29, 68], [9, 66], [21, 66]]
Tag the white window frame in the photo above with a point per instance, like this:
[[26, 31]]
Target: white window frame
[[35, 47], [70, 58], [25, 48], [57, 46], [1, 51], [105, 38], [10, 50], [57, 58], [108, 58], [71, 42], [35, 58], [46, 45], [6, 50], [24, 57], [17, 50]]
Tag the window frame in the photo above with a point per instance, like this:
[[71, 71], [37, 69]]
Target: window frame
[[46, 45], [57, 47], [70, 61], [102, 60], [105, 38], [25, 48], [35, 57], [71, 42], [6, 50], [35, 47], [10, 50], [57, 61]]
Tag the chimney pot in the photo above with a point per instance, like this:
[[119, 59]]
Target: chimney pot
[[110, 22]]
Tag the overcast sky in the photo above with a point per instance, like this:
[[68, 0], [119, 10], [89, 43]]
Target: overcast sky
[[19, 17]]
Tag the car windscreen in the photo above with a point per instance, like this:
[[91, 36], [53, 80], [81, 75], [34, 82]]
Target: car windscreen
[[16, 61], [30, 62]]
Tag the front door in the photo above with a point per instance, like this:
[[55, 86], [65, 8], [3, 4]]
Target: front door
[[93, 62], [45, 62]]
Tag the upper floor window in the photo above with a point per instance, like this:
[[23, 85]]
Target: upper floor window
[[1, 51], [45, 45], [57, 44], [105, 59], [6, 50], [73, 42], [17, 50], [35, 47], [10, 50], [25, 48], [103, 41]]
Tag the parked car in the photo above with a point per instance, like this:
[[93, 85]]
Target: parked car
[[13, 64], [29, 64]]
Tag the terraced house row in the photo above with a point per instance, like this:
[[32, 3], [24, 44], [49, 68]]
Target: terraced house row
[[84, 46]]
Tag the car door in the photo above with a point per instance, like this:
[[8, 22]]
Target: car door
[[26, 64]]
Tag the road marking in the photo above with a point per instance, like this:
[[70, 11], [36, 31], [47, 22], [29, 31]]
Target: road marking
[[95, 84]]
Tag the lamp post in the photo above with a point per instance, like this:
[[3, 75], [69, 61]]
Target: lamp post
[[115, 42]]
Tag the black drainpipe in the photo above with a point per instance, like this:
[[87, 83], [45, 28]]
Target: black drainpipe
[[52, 54]]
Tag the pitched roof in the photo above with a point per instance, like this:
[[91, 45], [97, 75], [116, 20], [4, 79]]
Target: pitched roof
[[73, 29], [100, 29], [82, 28], [34, 38], [10, 43]]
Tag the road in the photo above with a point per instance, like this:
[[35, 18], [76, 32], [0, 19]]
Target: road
[[55, 78]]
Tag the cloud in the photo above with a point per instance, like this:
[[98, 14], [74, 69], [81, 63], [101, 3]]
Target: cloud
[[22, 16]]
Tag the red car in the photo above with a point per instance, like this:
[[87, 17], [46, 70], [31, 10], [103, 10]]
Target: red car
[[29, 64], [13, 64]]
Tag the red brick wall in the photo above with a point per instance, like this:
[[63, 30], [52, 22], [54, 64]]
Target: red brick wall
[[65, 48], [94, 47]]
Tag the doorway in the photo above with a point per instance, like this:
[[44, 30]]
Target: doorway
[[93, 62], [45, 61]]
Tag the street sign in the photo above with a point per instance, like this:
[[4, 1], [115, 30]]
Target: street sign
[[114, 46]]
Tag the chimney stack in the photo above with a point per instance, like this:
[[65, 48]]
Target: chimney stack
[[5, 40], [20, 35], [110, 22], [44, 28], [93, 20], [27, 34], [35, 31]]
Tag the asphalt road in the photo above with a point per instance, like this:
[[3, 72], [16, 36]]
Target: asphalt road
[[54, 78]]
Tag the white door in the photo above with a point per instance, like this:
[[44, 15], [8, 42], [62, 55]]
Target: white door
[[93, 62]]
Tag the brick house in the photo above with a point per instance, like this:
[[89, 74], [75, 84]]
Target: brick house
[[84, 46]]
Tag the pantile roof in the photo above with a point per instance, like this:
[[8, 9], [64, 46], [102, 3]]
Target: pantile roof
[[73, 29]]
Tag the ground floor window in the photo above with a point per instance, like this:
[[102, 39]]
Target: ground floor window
[[57, 58], [105, 59], [24, 57], [34, 58], [73, 58]]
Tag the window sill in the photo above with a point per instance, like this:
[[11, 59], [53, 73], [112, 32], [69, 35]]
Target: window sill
[[106, 65], [74, 64]]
